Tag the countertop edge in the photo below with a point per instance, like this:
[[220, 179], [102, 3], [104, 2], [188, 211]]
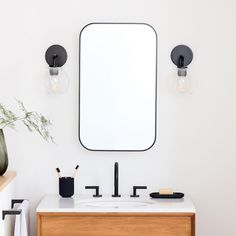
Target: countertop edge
[[113, 211], [6, 179]]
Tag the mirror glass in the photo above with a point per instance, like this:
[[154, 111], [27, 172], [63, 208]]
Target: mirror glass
[[117, 104]]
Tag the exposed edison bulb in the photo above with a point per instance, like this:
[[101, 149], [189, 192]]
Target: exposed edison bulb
[[57, 80], [182, 83]]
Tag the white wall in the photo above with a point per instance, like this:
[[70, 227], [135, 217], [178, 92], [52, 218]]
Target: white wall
[[195, 150]]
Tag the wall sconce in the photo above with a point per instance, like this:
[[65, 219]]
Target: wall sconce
[[57, 79], [182, 56]]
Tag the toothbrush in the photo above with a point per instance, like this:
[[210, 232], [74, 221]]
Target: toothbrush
[[58, 172], [76, 168]]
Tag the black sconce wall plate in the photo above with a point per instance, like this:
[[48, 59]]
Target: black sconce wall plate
[[56, 54], [182, 51]]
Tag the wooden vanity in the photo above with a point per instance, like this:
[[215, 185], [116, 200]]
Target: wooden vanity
[[174, 218]]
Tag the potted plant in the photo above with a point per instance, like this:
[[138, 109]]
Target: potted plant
[[31, 119]]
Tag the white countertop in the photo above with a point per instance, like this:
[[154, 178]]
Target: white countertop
[[86, 203]]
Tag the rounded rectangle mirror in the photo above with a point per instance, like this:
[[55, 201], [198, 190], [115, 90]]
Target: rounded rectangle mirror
[[117, 88]]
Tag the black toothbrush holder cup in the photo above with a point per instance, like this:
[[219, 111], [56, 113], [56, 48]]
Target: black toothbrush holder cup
[[66, 186]]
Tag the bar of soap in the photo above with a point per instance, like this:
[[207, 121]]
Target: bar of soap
[[166, 191]]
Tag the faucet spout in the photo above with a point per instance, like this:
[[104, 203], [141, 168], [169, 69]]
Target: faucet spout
[[116, 180]]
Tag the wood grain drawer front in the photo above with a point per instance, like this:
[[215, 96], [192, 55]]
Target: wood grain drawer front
[[119, 224]]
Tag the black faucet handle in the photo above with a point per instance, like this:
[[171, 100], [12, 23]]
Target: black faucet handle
[[135, 190], [96, 188]]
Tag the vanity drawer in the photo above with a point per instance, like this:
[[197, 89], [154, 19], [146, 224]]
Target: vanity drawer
[[116, 224]]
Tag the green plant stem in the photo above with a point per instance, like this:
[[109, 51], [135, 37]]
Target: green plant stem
[[13, 121], [32, 120]]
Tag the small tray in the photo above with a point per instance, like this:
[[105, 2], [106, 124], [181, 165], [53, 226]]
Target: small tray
[[174, 195]]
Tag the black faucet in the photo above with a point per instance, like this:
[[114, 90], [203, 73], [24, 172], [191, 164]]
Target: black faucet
[[116, 180]]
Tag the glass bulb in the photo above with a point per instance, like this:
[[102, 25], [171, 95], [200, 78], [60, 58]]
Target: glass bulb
[[57, 80], [182, 85], [181, 82]]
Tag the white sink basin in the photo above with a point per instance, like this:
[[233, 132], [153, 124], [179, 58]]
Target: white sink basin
[[114, 203]]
